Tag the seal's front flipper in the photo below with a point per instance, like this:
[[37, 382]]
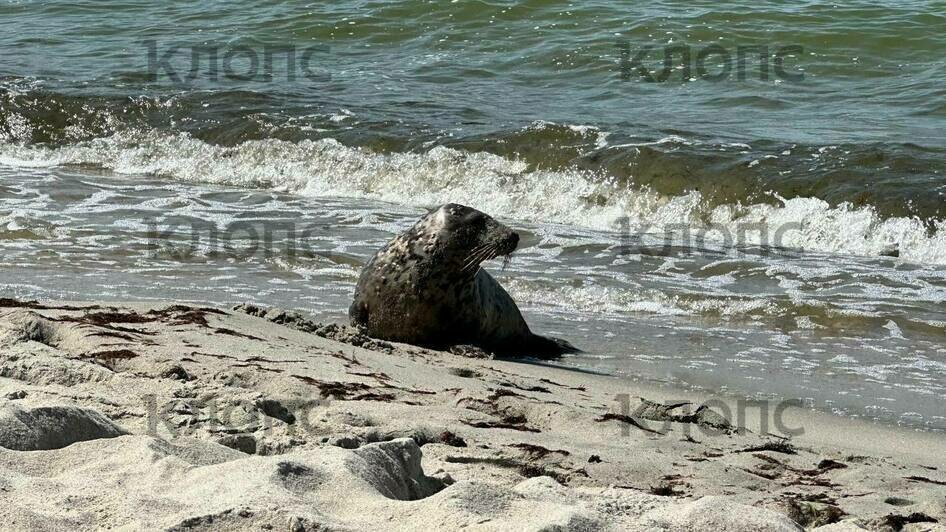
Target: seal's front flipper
[[547, 347]]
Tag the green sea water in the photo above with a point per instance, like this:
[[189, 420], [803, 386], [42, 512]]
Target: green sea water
[[867, 78]]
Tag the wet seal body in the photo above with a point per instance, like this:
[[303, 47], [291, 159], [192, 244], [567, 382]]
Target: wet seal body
[[426, 288]]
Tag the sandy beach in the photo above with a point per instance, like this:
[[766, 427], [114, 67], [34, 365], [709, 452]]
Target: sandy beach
[[473, 265], [162, 416]]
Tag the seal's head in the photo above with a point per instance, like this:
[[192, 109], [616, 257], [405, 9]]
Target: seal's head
[[463, 236]]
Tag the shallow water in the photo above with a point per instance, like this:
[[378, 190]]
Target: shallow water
[[860, 336], [778, 234]]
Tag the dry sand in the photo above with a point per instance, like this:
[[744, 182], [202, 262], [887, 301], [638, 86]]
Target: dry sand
[[143, 417]]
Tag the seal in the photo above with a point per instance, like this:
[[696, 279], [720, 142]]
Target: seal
[[425, 287]]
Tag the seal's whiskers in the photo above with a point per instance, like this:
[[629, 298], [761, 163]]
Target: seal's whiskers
[[475, 251], [474, 259], [480, 252]]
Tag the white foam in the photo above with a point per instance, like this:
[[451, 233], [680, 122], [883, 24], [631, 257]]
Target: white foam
[[602, 301], [500, 186], [894, 330]]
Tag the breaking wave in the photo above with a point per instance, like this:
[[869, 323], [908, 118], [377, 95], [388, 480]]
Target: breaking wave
[[502, 186]]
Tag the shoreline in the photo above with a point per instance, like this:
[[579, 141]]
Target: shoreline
[[819, 425], [500, 443]]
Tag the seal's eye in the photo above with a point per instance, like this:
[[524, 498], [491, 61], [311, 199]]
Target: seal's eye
[[476, 221], [456, 219]]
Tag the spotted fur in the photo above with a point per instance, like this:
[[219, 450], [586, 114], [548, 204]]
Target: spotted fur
[[426, 287]]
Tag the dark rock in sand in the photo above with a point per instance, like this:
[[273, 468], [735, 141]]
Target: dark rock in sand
[[245, 443], [177, 372], [52, 427]]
